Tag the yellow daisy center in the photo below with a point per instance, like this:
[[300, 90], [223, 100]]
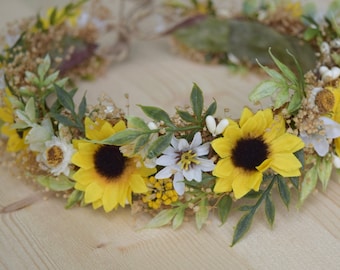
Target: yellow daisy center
[[55, 155], [109, 162], [325, 100], [186, 159], [249, 153]]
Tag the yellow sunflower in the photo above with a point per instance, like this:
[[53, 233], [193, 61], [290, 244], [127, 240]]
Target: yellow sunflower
[[16, 140], [247, 149], [106, 176], [336, 113]]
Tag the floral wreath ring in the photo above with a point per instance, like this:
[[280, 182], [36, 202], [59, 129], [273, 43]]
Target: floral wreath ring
[[191, 163]]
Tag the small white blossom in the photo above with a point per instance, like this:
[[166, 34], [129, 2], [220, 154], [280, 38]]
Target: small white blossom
[[319, 141], [336, 161], [185, 161], [328, 75], [211, 125], [56, 156]]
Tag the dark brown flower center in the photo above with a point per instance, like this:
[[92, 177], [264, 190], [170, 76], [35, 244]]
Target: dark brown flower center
[[249, 153], [55, 155], [109, 162]]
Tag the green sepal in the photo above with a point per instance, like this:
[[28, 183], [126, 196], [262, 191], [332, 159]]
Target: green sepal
[[60, 183], [223, 208]]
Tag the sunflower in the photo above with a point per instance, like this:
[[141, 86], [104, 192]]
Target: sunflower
[[105, 175], [247, 149], [16, 139]]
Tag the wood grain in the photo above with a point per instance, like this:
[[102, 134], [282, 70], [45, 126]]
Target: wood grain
[[41, 234]]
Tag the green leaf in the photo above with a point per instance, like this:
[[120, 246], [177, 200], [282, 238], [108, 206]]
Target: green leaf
[[211, 109], [159, 145], [64, 98], [272, 73], [186, 116], [75, 197], [123, 137], [245, 208], [137, 123], [264, 89], [242, 227], [82, 108], [162, 218], [269, 209], [60, 183], [51, 78], [202, 213], [282, 96], [295, 181], [30, 110], [157, 114], [197, 100], [141, 142], [324, 168], [63, 120], [284, 69], [308, 184], [179, 217], [283, 190], [295, 102], [44, 67], [223, 208]]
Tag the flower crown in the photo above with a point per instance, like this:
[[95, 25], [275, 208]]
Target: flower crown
[[192, 163]]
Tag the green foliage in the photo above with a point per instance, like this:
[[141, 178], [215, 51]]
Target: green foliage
[[244, 223], [66, 101], [223, 207], [202, 214], [320, 169], [155, 141], [215, 37], [60, 183], [287, 87], [75, 197]]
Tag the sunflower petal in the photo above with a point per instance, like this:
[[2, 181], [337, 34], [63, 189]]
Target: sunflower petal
[[286, 143], [137, 184], [93, 192], [224, 168], [223, 185], [110, 197], [286, 165], [244, 182], [246, 114]]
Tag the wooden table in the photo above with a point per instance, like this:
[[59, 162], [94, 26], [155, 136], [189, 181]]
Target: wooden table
[[46, 236]]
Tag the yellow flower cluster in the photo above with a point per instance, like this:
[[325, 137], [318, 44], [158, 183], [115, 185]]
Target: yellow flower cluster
[[160, 191]]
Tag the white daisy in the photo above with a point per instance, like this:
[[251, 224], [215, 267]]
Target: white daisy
[[56, 156], [320, 140], [184, 161]]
